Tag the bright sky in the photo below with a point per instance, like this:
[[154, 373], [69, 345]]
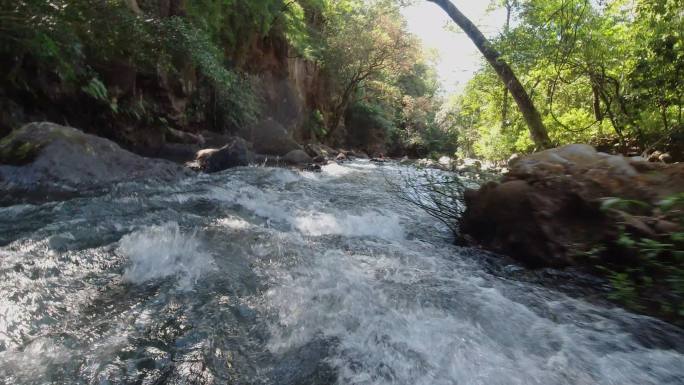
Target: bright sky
[[458, 58]]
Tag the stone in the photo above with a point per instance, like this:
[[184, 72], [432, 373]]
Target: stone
[[315, 150], [549, 205], [655, 156], [361, 155], [297, 157], [320, 160], [665, 158], [45, 160], [234, 154], [313, 168]]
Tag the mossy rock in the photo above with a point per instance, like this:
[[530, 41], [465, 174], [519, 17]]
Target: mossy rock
[[16, 152], [22, 146]]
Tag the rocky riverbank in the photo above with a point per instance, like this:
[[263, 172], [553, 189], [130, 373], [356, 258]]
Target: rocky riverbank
[[619, 217], [44, 161]]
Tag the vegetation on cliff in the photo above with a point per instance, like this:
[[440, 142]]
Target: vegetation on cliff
[[132, 69]]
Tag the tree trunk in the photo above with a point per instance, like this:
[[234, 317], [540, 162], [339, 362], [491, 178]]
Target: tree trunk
[[504, 102], [506, 74]]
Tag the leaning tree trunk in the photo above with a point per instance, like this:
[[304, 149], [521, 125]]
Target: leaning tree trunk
[[506, 74]]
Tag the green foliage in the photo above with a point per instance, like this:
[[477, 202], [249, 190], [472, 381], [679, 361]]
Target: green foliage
[[315, 125], [599, 72], [650, 275], [229, 22], [98, 91], [79, 40], [234, 96]]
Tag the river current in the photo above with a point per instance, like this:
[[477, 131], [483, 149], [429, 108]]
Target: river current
[[274, 276]]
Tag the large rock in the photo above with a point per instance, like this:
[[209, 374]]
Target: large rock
[[47, 161], [319, 150], [271, 138], [234, 154], [549, 205], [297, 157]]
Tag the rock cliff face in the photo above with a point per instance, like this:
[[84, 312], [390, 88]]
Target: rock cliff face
[[290, 87], [548, 207]]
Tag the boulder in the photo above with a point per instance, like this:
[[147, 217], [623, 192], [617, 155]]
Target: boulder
[[320, 160], [665, 158], [315, 150], [361, 155], [234, 154], [48, 161], [549, 205], [655, 156], [271, 138], [297, 157], [313, 168]]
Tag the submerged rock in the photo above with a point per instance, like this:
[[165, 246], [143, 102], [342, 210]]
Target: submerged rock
[[548, 206], [47, 161]]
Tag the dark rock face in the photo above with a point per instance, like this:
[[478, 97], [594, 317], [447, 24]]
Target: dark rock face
[[44, 160], [548, 206], [234, 154], [271, 138]]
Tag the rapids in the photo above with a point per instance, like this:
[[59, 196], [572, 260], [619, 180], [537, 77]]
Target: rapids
[[273, 276]]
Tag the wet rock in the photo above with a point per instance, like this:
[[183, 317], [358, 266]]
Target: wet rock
[[49, 161], [665, 158], [341, 157], [445, 161], [655, 156], [359, 154], [271, 138], [512, 160], [316, 150], [548, 206], [234, 154], [297, 157], [320, 160], [313, 168], [177, 152]]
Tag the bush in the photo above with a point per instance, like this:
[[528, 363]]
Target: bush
[[649, 275]]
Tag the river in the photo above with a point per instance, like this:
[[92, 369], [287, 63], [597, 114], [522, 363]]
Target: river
[[274, 276]]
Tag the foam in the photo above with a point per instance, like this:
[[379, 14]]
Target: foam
[[157, 252]]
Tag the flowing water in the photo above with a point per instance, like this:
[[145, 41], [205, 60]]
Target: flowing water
[[272, 276]]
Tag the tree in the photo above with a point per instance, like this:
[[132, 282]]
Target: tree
[[363, 42], [525, 104]]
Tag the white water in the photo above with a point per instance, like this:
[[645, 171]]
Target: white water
[[271, 276]]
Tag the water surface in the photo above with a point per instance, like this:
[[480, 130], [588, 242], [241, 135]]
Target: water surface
[[272, 276]]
